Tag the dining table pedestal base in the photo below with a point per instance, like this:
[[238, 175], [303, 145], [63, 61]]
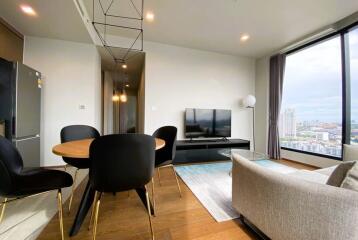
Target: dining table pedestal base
[[87, 201]]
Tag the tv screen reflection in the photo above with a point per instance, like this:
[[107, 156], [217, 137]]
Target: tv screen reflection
[[207, 123]]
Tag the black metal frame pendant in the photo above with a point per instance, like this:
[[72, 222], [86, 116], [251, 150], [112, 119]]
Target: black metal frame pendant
[[117, 22]]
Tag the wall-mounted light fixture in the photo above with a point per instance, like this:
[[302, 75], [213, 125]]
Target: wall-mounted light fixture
[[123, 97], [115, 97]]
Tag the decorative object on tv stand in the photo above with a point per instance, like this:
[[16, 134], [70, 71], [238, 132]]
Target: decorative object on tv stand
[[249, 102]]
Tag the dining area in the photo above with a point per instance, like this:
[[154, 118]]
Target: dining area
[[116, 163]]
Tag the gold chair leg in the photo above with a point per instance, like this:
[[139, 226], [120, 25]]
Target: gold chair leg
[[149, 213], [3, 209], [160, 184], [96, 217], [60, 213], [153, 196], [73, 190], [93, 209], [65, 167], [176, 178]]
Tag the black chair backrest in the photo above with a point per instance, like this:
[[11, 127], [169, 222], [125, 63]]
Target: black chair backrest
[[169, 135], [11, 164], [121, 162], [78, 132]]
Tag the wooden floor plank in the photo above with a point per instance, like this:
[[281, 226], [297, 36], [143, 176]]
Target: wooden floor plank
[[124, 218]]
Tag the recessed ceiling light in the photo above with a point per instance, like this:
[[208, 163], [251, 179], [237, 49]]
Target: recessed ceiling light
[[244, 37], [124, 66], [28, 10], [149, 16], [127, 85]]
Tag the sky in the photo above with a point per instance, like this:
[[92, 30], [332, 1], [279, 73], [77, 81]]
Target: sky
[[312, 82]]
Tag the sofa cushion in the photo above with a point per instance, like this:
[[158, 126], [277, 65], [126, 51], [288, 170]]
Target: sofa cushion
[[340, 173], [351, 179], [350, 152], [326, 171]]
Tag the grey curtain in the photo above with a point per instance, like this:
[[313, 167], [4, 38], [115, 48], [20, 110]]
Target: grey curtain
[[277, 69]]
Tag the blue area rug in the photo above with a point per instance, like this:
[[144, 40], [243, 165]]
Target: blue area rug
[[212, 184], [274, 166]]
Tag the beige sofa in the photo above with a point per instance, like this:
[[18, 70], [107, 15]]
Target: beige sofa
[[295, 206]]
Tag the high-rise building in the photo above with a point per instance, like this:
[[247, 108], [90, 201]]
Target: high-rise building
[[281, 125], [290, 122], [287, 125]]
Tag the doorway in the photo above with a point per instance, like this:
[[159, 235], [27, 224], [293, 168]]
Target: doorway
[[123, 94]]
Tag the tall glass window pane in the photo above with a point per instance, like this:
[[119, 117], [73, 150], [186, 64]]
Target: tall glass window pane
[[311, 112], [353, 65]]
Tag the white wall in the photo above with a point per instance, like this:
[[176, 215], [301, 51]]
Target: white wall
[[262, 114], [177, 78], [71, 77]]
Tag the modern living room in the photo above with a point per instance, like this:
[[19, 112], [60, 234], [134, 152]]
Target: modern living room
[[142, 119]]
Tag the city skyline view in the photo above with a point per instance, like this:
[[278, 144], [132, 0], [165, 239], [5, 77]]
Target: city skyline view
[[309, 70], [311, 111]]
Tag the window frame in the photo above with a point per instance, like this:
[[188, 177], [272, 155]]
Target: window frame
[[346, 96]]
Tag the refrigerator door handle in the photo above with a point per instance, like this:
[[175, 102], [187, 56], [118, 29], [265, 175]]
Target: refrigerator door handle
[[27, 138], [13, 126]]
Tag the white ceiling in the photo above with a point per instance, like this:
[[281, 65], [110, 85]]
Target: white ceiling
[[57, 19], [214, 25], [134, 70]]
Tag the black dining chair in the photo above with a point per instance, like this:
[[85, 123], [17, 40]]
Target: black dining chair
[[18, 183], [73, 133], [164, 156], [120, 162]]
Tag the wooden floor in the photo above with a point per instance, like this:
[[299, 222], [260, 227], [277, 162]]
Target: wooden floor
[[124, 218], [297, 165]]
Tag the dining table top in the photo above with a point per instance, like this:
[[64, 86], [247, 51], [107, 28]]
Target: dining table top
[[80, 148]]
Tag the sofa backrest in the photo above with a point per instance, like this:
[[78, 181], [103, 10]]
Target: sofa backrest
[[350, 152]]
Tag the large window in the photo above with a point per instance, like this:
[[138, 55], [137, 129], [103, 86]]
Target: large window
[[311, 112], [353, 76]]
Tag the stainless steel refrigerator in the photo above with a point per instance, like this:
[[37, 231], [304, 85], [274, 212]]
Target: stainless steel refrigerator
[[20, 108]]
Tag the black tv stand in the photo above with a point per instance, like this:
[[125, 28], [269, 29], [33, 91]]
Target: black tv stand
[[201, 140], [206, 150]]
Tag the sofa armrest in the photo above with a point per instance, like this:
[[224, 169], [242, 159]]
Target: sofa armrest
[[286, 208]]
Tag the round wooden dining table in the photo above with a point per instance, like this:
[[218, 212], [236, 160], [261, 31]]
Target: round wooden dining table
[[80, 150]]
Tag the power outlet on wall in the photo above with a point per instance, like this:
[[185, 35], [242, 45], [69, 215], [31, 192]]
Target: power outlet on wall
[[82, 107]]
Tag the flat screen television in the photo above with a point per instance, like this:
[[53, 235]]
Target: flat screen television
[[207, 123]]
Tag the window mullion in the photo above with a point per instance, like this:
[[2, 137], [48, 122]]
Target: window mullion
[[346, 93]]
